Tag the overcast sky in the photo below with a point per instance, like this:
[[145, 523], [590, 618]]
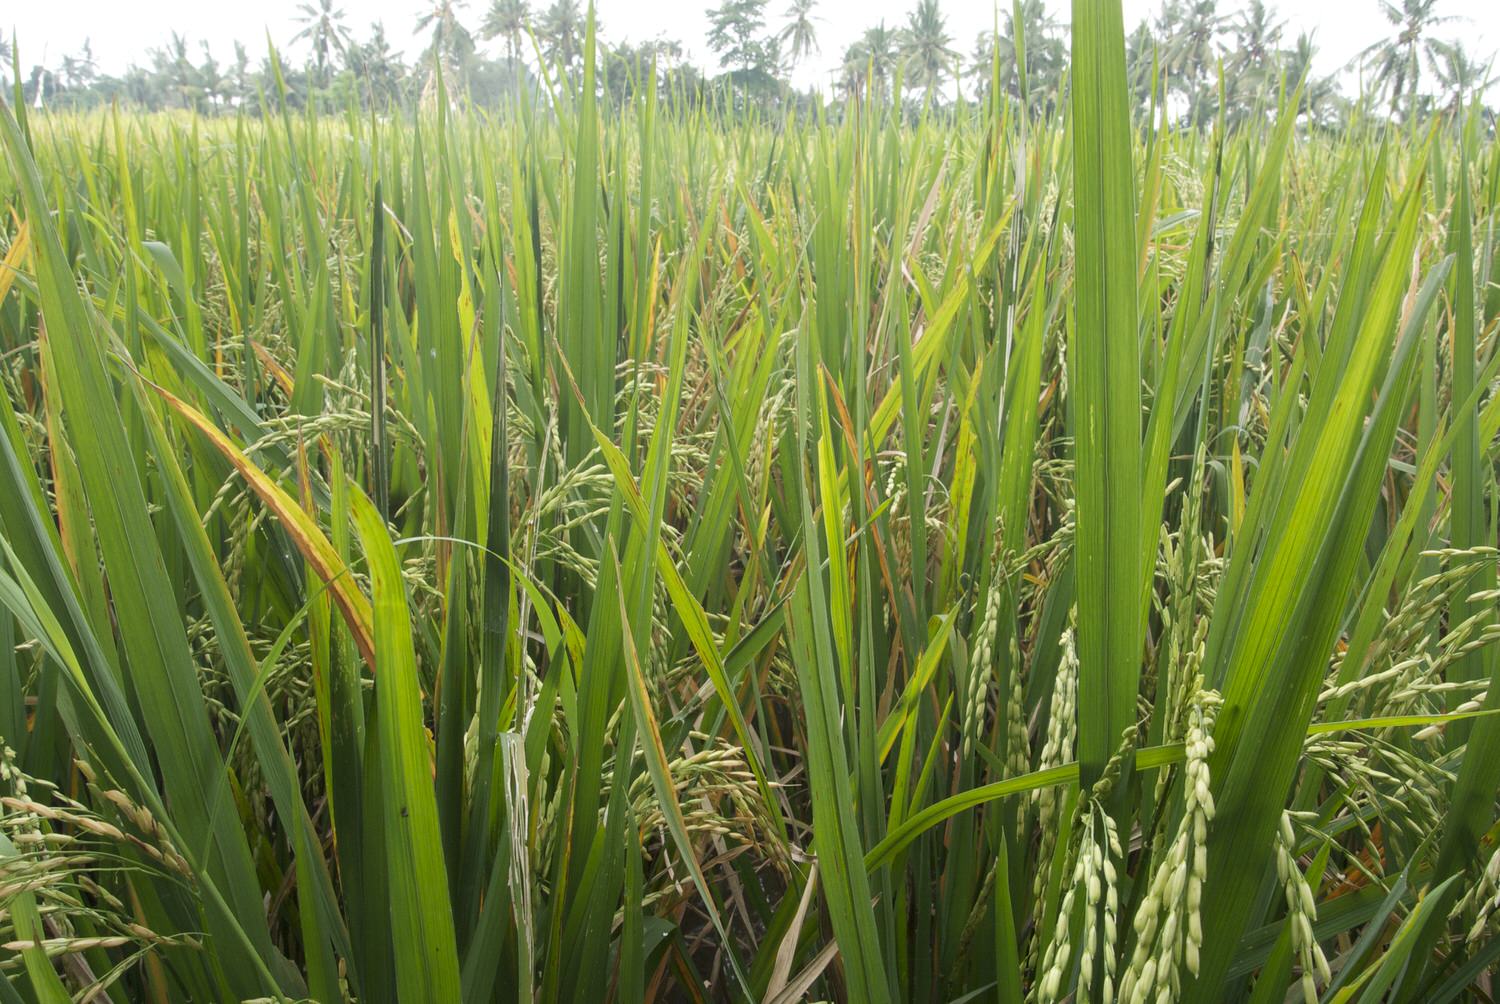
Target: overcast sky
[[121, 32]]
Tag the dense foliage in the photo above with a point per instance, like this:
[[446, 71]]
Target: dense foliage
[[592, 553]]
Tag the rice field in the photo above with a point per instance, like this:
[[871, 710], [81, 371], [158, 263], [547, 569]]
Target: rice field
[[647, 553]]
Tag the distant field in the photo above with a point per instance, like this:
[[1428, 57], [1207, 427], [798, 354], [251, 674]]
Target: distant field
[[584, 552]]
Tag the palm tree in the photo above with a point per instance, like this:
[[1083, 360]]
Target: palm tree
[[1396, 62], [1190, 52], [507, 19], [323, 26], [378, 67], [561, 32], [177, 72], [873, 56], [4, 48], [1257, 32], [799, 35], [1141, 62], [141, 87], [241, 87], [1459, 75], [1044, 53], [1251, 65], [451, 41], [1319, 95], [78, 72], [925, 46], [211, 80]]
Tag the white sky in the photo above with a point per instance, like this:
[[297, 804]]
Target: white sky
[[121, 31]]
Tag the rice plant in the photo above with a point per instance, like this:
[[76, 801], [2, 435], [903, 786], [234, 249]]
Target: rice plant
[[648, 553]]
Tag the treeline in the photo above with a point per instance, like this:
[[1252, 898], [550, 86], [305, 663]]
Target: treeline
[[1195, 53]]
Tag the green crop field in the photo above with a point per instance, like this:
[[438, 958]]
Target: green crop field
[[591, 550]]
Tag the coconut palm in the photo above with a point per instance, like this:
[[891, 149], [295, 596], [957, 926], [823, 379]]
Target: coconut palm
[[1189, 31], [1256, 33], [211, 80], [1045, 53], [507, 19], [78, 71], [1251, 66], [377, 66], [873, 56], [323, 26], [240, 86], [176, 71], [1142, 53], [925, 47], [1319, 94], [798, 34], [1460, 77], [1396, 62], [450, 40], [561, 32]]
